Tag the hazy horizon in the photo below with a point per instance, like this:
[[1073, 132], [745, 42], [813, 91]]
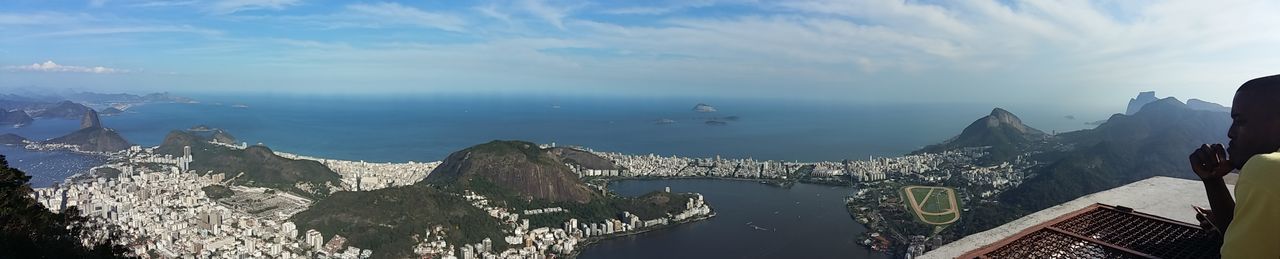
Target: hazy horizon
[[1086, 53]]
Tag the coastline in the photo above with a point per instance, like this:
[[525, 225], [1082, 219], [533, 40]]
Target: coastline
[[588, 242], [765, 181]]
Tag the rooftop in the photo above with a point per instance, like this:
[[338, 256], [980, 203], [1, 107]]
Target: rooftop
[[1162, 197], [1104, 231]]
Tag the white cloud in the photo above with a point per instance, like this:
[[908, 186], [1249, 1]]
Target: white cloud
[[668, 8], [985, 46], [97, 3], [165, 3], [370, 16], [233, 6], [42, 18], [22, 27], [492, 11], [79, 32], [919, 18], [645, 10], [393, 13], [892, 46], [49, 66], [553, 14]]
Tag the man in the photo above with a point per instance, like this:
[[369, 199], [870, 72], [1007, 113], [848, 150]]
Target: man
[[1250, 224]]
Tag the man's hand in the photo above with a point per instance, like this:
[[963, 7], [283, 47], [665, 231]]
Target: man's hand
[[1210, 162], [1206, 220]]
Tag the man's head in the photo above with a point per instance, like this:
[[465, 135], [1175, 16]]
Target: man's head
[[1255, 115]]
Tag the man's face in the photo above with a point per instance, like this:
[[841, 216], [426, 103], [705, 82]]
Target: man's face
[[1253, 128]]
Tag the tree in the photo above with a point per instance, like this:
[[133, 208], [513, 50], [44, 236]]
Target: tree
[[29, 230]]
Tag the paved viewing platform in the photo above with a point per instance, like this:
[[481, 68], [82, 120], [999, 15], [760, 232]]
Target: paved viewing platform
[[1166, 197]]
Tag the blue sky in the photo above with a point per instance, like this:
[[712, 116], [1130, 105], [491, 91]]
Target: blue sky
[[1079, 52]]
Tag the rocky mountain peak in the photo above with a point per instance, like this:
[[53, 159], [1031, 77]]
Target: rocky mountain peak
[[90, 120]]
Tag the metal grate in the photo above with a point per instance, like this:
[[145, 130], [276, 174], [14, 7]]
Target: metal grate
[[1103, 231], [1153, 236], [1052, 244]]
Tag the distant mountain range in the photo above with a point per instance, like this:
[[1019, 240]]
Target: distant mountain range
[[12, 139], [15, 118], [62, 109], [1153, 141], [1197, 104], [1144, 98], [19, 110], [22, 112], [95, 98]]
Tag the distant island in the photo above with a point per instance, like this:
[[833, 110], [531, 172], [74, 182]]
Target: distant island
[[704, 108], [111, 111]]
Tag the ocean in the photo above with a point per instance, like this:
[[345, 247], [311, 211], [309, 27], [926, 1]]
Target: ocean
[[429, 127]]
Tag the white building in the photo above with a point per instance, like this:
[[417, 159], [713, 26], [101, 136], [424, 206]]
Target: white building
[[289, 230], [314, 239]]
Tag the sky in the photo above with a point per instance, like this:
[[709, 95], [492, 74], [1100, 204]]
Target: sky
[[1077, 52]]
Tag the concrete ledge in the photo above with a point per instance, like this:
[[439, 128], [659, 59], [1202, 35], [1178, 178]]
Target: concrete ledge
[[1161, 196]]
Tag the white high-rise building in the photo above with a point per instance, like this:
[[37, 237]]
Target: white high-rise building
[[467, 252], [184, 162], [275, 250], [215, 218], [250, 246], [570, 225], [314, 239], [289, 230]]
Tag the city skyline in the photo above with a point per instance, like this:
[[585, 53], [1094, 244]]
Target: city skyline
[[1088, 53]]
